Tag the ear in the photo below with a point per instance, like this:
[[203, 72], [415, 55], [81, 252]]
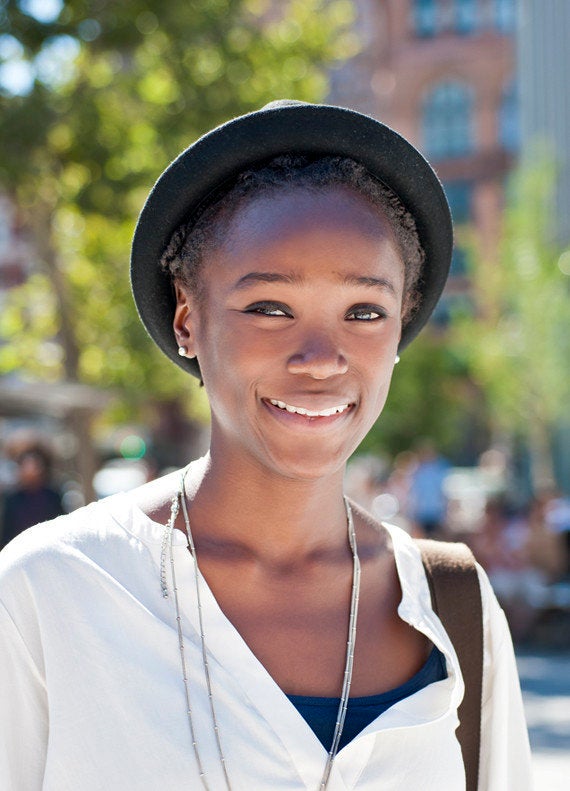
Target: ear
[[184, 323]]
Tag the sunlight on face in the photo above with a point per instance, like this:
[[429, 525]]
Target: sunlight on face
[[298, 330]]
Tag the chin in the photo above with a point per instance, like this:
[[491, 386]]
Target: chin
[[307, 466]]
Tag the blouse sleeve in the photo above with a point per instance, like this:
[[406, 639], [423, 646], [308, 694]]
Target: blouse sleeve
[[23, 713], [505, 751]]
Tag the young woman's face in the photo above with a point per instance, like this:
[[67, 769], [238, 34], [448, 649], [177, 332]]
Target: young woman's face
[[297, 328]]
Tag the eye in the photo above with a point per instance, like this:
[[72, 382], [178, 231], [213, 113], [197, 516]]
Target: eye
[[366, 313], [268, 309]]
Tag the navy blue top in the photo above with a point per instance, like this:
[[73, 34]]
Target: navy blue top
[[321, 713]]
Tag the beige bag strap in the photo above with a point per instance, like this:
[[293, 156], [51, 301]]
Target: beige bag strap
[[456, 598]]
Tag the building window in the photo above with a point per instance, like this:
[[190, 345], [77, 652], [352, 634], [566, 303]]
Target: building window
[[466, 20], [425, 18], [505, 15], [509, 126], [459, 196], [466, 17], [447, 112], [458, 262]]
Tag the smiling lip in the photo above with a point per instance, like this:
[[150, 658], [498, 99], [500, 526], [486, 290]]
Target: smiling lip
[[311, 413]]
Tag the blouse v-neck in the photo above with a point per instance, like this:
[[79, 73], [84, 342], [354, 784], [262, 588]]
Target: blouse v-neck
[[232, 661]]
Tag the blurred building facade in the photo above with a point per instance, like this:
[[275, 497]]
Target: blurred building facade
[[543, 57], [444, 74]]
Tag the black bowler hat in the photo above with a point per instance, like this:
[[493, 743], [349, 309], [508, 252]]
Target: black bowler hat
[[284, 127]]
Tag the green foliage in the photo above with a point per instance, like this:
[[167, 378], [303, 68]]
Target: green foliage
[[429, 397], [518, 349], [119, 90]]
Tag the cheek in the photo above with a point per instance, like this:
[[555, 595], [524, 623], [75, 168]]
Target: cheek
[[380, 395], [231, 362], [378, 376]]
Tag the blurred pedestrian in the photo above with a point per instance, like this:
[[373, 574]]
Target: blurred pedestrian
[[428, 501], [33, 499], [546, 546], [522, 557], [557, 517]]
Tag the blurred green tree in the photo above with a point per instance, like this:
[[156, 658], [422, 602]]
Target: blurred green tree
[[517, 347], [431, 397], [95, 99]]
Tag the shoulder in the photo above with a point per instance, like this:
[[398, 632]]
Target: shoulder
[[50, 543], [155, 498], [52, 531], [98, 553]]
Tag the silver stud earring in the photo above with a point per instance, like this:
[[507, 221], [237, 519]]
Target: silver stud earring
[[397, 360]]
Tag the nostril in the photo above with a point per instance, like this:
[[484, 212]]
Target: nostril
[[318, 366]]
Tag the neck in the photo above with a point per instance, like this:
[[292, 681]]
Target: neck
[[242, 506]]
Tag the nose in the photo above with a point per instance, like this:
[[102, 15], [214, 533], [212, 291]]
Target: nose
[[318, 356]]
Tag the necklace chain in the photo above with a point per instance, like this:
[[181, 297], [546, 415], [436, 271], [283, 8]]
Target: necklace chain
[[167, 548]]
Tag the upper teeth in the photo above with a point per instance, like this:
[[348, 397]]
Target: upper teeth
[[308, 412]]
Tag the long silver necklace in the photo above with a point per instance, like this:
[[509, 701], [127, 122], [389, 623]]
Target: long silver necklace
[[167, 549]]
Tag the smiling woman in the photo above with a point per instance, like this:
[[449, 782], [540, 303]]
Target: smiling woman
[[305, 333], [245, 624]]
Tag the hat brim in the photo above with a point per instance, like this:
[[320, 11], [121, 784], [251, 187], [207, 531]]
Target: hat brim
[[250, 140]]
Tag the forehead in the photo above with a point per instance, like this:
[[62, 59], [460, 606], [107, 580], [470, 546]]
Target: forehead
[[306, 231], [292, 212]]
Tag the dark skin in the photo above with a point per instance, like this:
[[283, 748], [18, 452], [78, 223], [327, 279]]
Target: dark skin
[[301, 305]]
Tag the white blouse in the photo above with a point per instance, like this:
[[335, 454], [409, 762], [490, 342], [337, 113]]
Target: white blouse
[[92, 692]]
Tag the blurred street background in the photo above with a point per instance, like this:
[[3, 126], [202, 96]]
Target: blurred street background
[[474, 442], [545, 680]]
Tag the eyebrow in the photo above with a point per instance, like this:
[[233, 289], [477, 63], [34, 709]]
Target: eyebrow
[[293, 279], [267, 277], [371, 282]]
